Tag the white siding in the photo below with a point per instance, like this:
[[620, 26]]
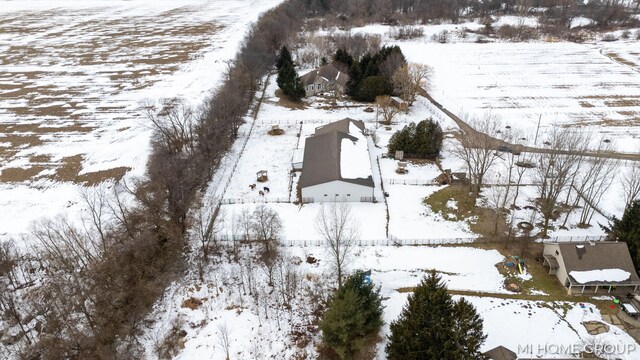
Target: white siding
[[561, 273], [337, 191]]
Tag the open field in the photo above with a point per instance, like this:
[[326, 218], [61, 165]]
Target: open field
[[74, 76], [559, 83]]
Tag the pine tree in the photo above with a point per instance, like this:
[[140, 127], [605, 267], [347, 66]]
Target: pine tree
[[627, 229], [283, 58], [468, 330], [354, 313], [289, 82], [430, 326]]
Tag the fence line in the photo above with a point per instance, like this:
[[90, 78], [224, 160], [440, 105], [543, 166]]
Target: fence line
[[259, 200], [395, 241], [572, 239], [396, 181]]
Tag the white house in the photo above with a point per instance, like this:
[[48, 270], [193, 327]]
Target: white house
[[604, 266], [336, 164]]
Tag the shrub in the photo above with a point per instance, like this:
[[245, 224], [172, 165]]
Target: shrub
[[372, 87], [423, 140]]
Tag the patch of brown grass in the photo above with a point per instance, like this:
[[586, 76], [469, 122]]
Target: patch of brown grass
[[10, 175], [620, 59], [192, 303], [285, 101]]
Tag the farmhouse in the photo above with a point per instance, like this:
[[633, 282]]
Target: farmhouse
[[336, 164], [593, 267], [324, 78]]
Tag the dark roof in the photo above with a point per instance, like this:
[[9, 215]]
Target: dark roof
[[597, 256], [322, 155], [340, 125], [329, 72], [501, 353]]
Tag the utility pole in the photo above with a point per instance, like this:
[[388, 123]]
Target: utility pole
[[535, 141]]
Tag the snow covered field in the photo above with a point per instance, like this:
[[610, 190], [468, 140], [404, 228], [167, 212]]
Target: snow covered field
[[73, 78], [558, 83], [593, 84]]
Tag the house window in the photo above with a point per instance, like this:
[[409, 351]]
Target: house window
[[557, 252], [325, 194], [337, 194], [319, 86], [348, 194]]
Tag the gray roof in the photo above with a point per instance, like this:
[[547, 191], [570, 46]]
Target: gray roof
[[501, 353], [340, 126], [328, 72], [322, 155], [597, 256]]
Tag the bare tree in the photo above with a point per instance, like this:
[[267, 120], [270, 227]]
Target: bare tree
[[174, 124], [340, 231], [497, 196], [631, 183], [386, 109], [409, 80], [208, 222], [477, 148], [555, 169], [266, 227], [223, 333]]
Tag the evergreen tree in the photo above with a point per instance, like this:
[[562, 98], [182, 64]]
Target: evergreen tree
[[627, 229], [371, 87], [289, 82], [423, 140], [354, 313], [284, 58], [432, 326], [428, 139], [343, 56], [468, 330]]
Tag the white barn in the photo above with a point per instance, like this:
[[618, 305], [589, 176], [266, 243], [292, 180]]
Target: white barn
[[336, 164]]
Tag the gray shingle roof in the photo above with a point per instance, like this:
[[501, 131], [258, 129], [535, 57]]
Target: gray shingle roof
[[329, 72], [597, 256], [322, 155]]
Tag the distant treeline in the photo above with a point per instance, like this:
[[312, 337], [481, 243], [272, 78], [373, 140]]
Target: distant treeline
[[603, 12]]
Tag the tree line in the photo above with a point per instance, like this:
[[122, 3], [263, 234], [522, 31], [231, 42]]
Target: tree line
[[97, 280]]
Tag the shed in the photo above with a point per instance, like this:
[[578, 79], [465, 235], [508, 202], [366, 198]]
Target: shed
[[603, 266]]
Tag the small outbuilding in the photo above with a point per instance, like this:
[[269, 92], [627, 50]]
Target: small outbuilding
[[337, 164], [298, 159], [593, 267]]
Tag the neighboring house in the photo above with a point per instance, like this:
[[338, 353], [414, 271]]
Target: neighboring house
[[336, 164], [592, 267], [500, 353], [324, 78]]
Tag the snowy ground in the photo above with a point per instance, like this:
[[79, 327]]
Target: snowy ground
[[259, 331], [592, 84], [409, 219], [73, 76], [533, 329]]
